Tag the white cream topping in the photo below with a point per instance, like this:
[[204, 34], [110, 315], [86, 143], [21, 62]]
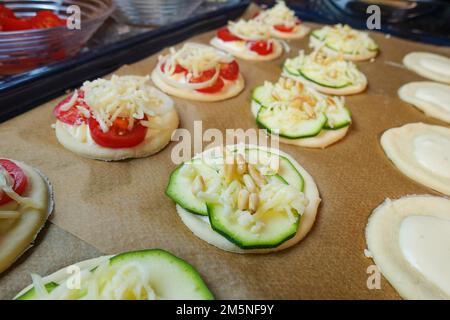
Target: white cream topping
[[425, 243], [436, 64], [435, 95], [432, 151]]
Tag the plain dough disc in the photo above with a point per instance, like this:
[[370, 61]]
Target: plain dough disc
[[300, 33], [353, 89], [316, 43], [230, 90], [398, 144], [152, 144], [247, 54], [382, 237], [21, 235], [429, 65], [322, 140], [200, 226], [430, 97]]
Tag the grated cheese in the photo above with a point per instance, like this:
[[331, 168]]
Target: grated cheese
[[250, 29], [279, 14]]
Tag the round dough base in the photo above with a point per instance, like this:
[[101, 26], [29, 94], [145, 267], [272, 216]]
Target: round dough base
[[248, 55], [398, 146], [324, 139], [407, 94], [316, 43], [230, 90], [353, 89], [382, 237], [412, 61], [20, 237], [202, 229], [151, 145]]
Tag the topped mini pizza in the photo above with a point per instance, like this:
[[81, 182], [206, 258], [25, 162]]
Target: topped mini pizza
[[283, 22], [249, 40], [343, 40], [198, 72], [115, 119]]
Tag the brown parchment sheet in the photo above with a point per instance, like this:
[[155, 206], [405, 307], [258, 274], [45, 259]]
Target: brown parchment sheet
[[116, 206]]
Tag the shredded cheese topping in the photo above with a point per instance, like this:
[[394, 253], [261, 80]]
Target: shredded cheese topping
[[279, 14], [345, 39], [250, 29], [128, 97]]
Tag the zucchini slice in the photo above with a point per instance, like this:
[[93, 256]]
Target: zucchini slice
[[262, 95], [169, 276], [284, 120], [338, 119]]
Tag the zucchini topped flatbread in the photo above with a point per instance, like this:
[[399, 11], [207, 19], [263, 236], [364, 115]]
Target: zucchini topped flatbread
[[245, 199], [25, 204], [299, 114], [343, 40], [330, 75], [282, 22], [152, 274]]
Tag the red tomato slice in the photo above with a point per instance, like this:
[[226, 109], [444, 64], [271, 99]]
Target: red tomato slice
[[256, 15], [216, 87], [118, 135], [225, 35], [46, 19], [14, 24], [178, 68], [261, 47], [229, 71], [19, 177], [283, 28], [204, 76], [73, 115]]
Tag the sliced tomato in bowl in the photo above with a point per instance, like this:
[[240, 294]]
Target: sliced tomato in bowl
[[73, 115], [261, 47], [224, 34], [229, 71], [20, 180], [118, 135], [46, 19]]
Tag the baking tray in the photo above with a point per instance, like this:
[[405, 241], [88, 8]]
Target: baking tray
[[120, 206]]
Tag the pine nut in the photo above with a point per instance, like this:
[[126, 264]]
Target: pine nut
[[253, 202], [257, 177], [198, 185], [243, 200], [249, 183], [274, 164], [228, 167], [241, 165]]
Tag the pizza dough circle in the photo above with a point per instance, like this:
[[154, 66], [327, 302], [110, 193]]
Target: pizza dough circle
[[247, 54], [431, 97], [300, 33], [230, 90], [200, 226], [429, 65], [322, 140], [155, 141], [353, 89], [21, 233], [383, 241], [399, 146], [316, 43]]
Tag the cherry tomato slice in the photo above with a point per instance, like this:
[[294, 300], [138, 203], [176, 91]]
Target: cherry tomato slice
[[283, 28], [73, 115], [20, 179], [204, 76], [216, 87], [118, 135], [261, 47], [225, 35], [178, 69], [46, 19], [229, 71]]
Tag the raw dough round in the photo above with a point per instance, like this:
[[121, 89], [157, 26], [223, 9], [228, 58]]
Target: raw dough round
[[155, 141], [353, 89], [17, 235], [322, 140], [230, 90], [200, 226], [316, 43], [430, 97], [246, 54], [429, 65], [421, 151], [395, 227]]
